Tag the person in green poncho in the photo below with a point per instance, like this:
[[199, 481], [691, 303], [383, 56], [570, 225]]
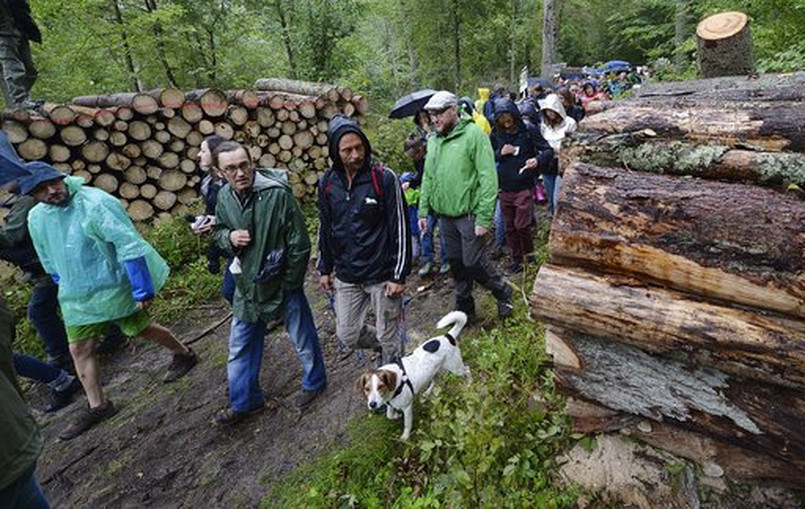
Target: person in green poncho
[[106, 272]]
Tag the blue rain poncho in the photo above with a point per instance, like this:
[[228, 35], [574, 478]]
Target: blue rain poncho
[[90, 245]]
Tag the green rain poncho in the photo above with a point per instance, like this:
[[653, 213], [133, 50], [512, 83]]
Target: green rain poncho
[[86, 243]]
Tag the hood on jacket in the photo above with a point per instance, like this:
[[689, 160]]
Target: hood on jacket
[[552, 102], [529, 111], [506, 105], [339, 126], [483, 93]]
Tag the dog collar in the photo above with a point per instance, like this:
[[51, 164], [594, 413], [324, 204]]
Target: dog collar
[[405, 382], [450, 338]]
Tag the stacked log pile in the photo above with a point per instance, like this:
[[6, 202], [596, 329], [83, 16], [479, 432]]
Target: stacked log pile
[[143, 147], [675, 294]]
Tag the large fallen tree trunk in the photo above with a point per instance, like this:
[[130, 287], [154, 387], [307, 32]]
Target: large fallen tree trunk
[[732, 88], [731, 242], [740, 342], [748, 416], [642, 151], [772, 126]]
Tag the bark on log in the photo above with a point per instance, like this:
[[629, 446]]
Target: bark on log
[[643, 152], [761, 347], [294, 86], [774, 126], [247, 98], [124, 113], [752, 415], [105, 117], [212, 101], [765, 87], [732, 242], [361, 105], [725, 45], [32, 149]]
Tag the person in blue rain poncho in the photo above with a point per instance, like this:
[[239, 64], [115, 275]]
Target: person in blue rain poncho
[[106, 272]]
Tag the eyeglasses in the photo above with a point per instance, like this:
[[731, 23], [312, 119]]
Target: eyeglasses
[[438, 113], [243, 166]]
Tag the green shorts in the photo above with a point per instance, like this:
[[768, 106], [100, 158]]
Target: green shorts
[[131, 326]]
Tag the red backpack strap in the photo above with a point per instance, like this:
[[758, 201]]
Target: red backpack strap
[[377, 178]]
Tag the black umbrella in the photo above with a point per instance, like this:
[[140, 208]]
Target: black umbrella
[[543, 82], [408, 105]]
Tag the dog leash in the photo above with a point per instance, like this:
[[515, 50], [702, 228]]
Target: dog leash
[[404, 382]]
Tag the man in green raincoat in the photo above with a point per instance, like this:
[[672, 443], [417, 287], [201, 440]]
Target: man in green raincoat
[[260, 224], [106, 273]]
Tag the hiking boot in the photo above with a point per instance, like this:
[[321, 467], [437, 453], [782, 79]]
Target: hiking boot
[[180, 365], [62, 398], [111, 344], [505, 305], [445, 268], [228, 417], [425, 270], [514, 268], [307, 397], [88, 418], [30, 105]]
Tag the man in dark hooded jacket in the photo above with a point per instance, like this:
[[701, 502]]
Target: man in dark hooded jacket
[[364, 241], [520, 151], [17, 27]]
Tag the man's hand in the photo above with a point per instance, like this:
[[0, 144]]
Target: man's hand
[[326, 283], [144, 304], [508, 150], [532, 163], [240, 238], [405, 186], [423, 224], [394, 290], [480, 231]]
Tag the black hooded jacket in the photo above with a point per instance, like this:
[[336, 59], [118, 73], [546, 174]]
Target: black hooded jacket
[[364, 234], [531, 144]]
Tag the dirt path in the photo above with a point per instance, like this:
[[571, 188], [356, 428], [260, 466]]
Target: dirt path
[[161, 449]]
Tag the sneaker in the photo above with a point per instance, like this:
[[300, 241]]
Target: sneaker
[[29, 104], [445, 268], [514, 268], [60, 399], [88, 418], [111, 344], [306, 397], [180, 365], [425, 270], [505, 305], [228, 417]]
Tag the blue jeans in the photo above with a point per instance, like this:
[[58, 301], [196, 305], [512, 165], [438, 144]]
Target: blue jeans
[[24, 493], [43, 313], [427, 241], [228, 286], [34, 369], [500, 231], [552, 185], [246, 342]]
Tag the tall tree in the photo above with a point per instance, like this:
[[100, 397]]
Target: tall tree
[[550, 30], [680, 33]]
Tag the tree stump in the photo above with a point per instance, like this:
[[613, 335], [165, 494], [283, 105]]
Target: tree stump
[[725, 45]]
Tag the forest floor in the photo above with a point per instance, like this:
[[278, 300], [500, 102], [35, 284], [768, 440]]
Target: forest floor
[[161, 449]]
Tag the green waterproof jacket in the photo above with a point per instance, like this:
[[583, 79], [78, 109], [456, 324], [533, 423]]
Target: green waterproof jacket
[[274, 220], [21, 442], [460, 175], [86, 243]]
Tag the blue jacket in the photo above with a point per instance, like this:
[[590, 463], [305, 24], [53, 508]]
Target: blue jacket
[[530, 143], [363, 229]]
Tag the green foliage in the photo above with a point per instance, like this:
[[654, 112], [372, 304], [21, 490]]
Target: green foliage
[[494, 440]]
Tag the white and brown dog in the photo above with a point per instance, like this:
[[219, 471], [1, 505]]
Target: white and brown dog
[[396, 384]]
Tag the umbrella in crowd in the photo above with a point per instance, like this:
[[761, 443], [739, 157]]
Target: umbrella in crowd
[[617, 66], [543, 82], [408, 105]]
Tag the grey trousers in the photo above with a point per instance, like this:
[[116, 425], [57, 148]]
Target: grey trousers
[[19, 72], [351, 304], [469, 262]]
